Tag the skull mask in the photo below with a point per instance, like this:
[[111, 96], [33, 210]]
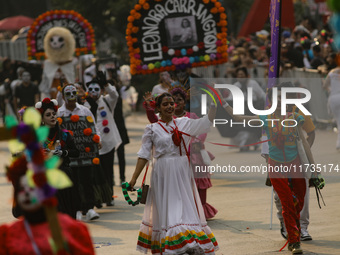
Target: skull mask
[[70, 93], [57, 42], [94, 90]]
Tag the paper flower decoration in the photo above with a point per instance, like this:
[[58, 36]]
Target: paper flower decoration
[[74, 118], [87, 131], [96, 161], [96, 138]]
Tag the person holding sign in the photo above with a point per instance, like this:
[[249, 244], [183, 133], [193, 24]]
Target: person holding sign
[[102, 110], [79, 120], [173, 221]]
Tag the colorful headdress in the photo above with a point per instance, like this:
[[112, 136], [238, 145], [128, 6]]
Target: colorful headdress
[[41, 172], [45, 104], [178, 89]]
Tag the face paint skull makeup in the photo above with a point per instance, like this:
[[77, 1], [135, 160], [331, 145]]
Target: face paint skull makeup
[[94, 90], [27, 196], [70, 93]]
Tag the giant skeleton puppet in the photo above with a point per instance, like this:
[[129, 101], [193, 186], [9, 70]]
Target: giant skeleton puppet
[[59, 46]]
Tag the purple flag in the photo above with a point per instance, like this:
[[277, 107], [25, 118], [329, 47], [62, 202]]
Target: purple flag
[[275, 20]]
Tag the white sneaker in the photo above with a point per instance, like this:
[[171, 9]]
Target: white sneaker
[[79, 216], [91, 215]]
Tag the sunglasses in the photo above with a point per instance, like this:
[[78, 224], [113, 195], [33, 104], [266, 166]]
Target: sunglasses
[[94, 89], [71, 93]]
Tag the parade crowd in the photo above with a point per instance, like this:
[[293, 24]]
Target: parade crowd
[[176, 207]]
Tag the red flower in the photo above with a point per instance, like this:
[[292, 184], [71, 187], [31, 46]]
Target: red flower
[[40, 179], [74, 118], [96, 138], [190, 51], [165, 49], [87, 131], [201, 45], [87, 149], [177, 53]]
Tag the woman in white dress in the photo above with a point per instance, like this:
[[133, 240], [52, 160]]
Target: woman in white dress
[[332, 86], [173, 221]]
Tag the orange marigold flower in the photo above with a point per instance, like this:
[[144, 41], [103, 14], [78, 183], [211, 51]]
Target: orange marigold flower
[[214, 10], [74, 118], [135, 29], [96, 138], [87, 131], [60, 120], [96, 161]]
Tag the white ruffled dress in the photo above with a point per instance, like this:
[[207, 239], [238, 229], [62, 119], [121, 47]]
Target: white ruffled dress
[[173, 220]]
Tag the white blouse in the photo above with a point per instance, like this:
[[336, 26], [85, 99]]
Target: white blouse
[[155, 135]]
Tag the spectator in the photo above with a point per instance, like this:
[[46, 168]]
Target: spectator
[[317, 60], [27, 94], [163, 86]]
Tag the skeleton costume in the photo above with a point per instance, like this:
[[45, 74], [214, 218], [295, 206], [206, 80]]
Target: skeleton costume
[[84, 176], [103, 111]]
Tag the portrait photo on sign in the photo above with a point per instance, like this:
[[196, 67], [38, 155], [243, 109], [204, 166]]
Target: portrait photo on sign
[[181, 31]]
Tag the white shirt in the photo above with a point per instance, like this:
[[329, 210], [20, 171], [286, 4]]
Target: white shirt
[[112, 138], [50, 70], [158, 90], [80, 110]]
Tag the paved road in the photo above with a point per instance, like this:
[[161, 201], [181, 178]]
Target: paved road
[[242, 225]]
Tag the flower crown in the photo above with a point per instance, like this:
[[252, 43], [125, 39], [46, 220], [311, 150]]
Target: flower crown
[[178, 89], [45, 104]]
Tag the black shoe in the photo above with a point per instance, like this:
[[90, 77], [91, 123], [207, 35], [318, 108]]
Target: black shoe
[[295, 248], [99, 206], [283, 231]]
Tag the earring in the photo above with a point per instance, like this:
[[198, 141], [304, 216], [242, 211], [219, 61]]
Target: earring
[[42, 123]]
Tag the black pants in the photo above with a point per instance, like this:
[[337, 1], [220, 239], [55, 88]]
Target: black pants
[[121, 162], [106, 161]]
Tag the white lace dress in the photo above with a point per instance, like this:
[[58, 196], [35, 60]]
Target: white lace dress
[[173, 220]]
